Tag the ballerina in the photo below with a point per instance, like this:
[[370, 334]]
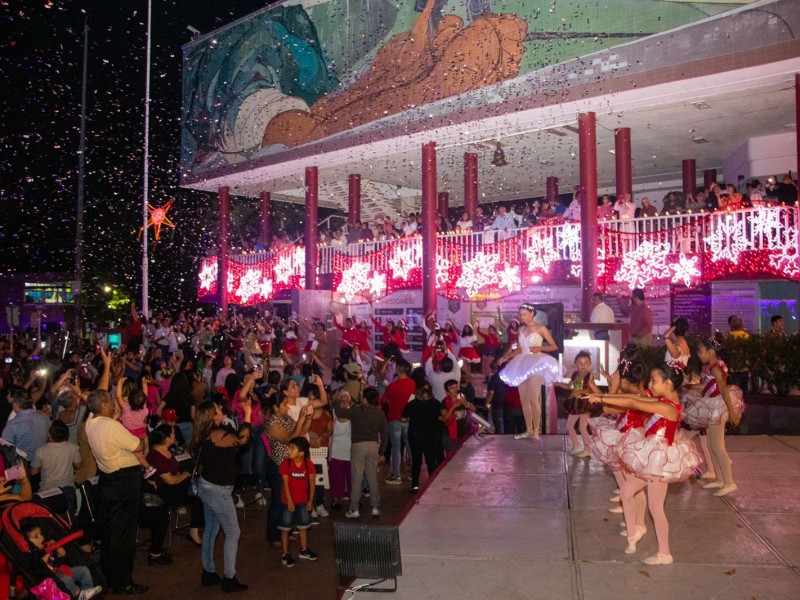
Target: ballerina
[[655, 455], [677, 347], [529, 367], [466, 351]]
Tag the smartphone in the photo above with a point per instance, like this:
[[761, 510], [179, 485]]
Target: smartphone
[[9, 360], [13, 473]]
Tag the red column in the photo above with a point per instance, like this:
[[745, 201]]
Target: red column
[[312, 221], [266, 224], [587, 142], [709, 177], [797, 117], [552, 190], [224, 216], [354, 200], [470, 183], [622, 159], [443, 206], [428, 227], [689, 177]]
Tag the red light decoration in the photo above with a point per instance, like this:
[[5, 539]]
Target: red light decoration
[[158, 217]]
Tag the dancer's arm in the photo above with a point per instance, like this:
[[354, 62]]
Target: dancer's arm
[[722, 386], [551, 345], [630, 401]]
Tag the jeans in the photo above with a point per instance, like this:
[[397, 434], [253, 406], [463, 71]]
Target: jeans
[[364, 463], [498, 418], [397, 431], [186, 430], [275, 510], [119, 494], [219, 512], [81, 579]]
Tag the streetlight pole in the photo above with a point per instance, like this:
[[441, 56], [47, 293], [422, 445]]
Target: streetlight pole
[[146, 180], [78, 295]]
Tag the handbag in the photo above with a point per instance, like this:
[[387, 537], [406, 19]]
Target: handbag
[[193, 480]]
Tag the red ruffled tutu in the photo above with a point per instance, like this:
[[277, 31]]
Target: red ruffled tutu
[[701, 411], [290, 347], [652, 458], [469, 354]]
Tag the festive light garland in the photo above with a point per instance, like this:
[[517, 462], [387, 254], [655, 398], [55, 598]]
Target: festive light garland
[[647, 263], [728, 240]]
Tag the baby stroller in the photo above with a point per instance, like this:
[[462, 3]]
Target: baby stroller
[[17, 549]]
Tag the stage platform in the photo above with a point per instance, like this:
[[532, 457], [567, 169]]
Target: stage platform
[[517, 519]]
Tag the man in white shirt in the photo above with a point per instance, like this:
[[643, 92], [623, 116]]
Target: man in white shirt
[[601, 313], [504, 223], [573, 212], [444, 370]]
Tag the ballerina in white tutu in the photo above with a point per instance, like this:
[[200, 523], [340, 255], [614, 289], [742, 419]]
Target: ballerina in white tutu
[[529, 367], [717, 404], [656, 455]]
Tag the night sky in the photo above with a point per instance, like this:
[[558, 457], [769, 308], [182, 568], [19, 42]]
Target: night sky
[[41, 53]]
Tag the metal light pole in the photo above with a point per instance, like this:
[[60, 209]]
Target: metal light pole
[[81, 173], [146, 180]]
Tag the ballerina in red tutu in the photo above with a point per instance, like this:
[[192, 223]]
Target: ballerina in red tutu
[[655, 455], [467, 351]]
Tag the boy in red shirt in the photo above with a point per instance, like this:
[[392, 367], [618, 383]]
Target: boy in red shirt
[[298, 474]]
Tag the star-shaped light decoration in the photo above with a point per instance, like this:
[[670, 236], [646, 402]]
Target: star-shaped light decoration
[[249, 285], [478, 273], [540, 252], [267, 289], [786, 258], [355, 281], [403, 261], [509, 278], [283, 269], [158, 217], [766, 222], [685, 270], [576, 268], [442, 271], [208, 275], [647, 263], [569, 239], [728, 240], [377, 285]]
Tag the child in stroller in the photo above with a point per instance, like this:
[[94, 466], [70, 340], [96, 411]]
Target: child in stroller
[[25, 527]]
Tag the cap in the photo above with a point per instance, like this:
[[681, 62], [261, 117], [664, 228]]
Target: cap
[[169, 414], [353, 368]]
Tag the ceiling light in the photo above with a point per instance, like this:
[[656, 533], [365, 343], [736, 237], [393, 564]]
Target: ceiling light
[[700, 105], [699, 140]]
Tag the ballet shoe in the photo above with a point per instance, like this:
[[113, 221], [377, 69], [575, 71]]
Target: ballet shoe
[[615, 499], [708, 476], [622, 523], [632, 541], [584, 454], [658, 559], [575, 451], [712, 485], [522, 436], [725, 490], [642, 528], [535, 436], [616, 510]]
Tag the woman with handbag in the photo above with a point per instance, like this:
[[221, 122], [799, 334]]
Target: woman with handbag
[[218, 446]]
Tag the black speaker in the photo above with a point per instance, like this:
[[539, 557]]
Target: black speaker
[[368, 552]]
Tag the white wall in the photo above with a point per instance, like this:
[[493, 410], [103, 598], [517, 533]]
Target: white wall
[[762, 156]]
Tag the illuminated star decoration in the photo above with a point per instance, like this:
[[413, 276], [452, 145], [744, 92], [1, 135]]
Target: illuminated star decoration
[[377, 285], [266, 289], [403, 261], [355, 281], [249, 285], [569, 239], [208, 275], [766, 222], [645, 264], [576, 268], [509, 278], [283, 269], [728, 240], [158, 217], [786, 258], [685, 270], [478, 273], [540, 253], [442, 271]]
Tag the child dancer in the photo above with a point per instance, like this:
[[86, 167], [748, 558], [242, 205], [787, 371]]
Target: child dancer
[[655, 455], [581, 381], [132, 403], [692, 392], [719, 404], [491, 344], [467, 351]]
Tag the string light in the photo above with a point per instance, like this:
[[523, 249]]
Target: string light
[[685, 271], [647, 263], [728, 240]]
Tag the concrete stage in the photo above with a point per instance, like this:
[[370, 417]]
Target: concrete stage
[[520, 519]]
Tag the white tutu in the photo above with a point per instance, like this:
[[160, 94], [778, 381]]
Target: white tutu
[[524, 366], [653, 459], [701, 411], [604, 439]]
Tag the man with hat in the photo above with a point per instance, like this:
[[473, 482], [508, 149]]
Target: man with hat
[[354, 384]]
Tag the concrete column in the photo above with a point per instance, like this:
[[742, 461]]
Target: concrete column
[[689, 167], [709, 177], [622, 160], [353, 200], [470, 183], [266, 222], [224, 217], [429, 198], [312, 224], [587, 142]]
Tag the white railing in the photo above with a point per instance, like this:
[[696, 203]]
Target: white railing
[[686, 233]]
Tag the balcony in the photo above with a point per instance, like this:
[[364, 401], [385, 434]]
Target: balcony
[[683, 250]]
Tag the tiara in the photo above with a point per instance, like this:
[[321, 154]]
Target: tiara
[[528, 306]]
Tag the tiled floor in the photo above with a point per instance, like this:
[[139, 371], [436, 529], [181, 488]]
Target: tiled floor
[[520, 519]]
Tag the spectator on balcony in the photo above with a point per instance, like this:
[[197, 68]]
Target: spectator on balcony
[[559, 208], [442, 226], [696, 202], [671, 204], [712, 196], [605, 212], [733, 200], [504, 224], [481, 221], [547, 211], [573, 212], [527, 218], [785, 191], [624, 207], [756, 193], [338, 238], [647, 209], [366, 233], [641, 316], [464, 223]]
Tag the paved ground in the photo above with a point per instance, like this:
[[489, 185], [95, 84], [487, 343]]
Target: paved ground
[[517, 519]]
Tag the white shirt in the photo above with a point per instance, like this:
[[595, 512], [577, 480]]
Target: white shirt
[[626, 210], [112, 445], [573, 212], [439, 378], [602, 313]]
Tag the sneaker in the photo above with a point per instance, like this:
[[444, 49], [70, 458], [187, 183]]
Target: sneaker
[[345, 498], [352, 514], [237, 501], [90, 593], [414, 489], [287, 560], [307, 554], [314, 521], [394, 480], [322, 512], [314, 513], [376, 512], [149, 472], [260, 500]]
